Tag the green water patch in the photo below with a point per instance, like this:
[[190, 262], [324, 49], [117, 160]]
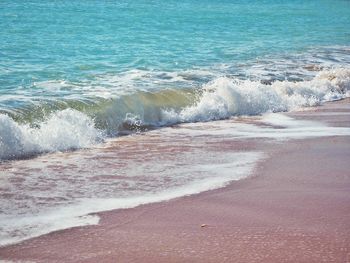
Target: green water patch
[[126, 112]]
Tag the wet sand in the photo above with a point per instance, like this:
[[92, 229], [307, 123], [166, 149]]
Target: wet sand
[[295, 208]]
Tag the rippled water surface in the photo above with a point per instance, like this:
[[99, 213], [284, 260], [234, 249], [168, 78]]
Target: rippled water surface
[[75, 75]]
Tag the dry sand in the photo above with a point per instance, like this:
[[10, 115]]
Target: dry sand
[[296, 208]]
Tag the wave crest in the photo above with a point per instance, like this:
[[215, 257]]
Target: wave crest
[[64, 130], [225, 97], [221, 98]]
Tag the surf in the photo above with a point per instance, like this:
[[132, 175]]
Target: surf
[[41, 128]]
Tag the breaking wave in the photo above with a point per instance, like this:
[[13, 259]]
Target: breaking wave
[[67, 129], [225, 97], [72, 126]]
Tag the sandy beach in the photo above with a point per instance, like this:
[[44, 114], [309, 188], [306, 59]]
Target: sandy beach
[[174, 131], [294, 208]]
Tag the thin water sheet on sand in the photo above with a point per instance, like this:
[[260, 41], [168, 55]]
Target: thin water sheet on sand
[[295, 208]]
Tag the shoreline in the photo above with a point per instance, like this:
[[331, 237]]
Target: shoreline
[[289, 210]]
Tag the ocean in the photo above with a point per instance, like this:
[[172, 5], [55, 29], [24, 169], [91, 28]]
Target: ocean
[[113, 104]]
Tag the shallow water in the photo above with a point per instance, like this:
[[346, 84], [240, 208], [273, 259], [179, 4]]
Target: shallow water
[[133, 65], [60, 190], [76, 76]]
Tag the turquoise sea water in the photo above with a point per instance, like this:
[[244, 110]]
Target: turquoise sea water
[[126, 65], [78, 74]]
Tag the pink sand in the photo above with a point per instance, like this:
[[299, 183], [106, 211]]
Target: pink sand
[[296, 208]]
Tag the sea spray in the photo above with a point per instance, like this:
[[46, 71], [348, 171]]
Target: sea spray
[[220, 98], [225, 97], [64, 130]]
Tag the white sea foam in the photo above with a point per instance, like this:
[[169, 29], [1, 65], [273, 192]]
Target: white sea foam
[[67, 129], [196, 178], [225, 97], [279, 127], [162, 179], [33, 226], [222, 98]]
